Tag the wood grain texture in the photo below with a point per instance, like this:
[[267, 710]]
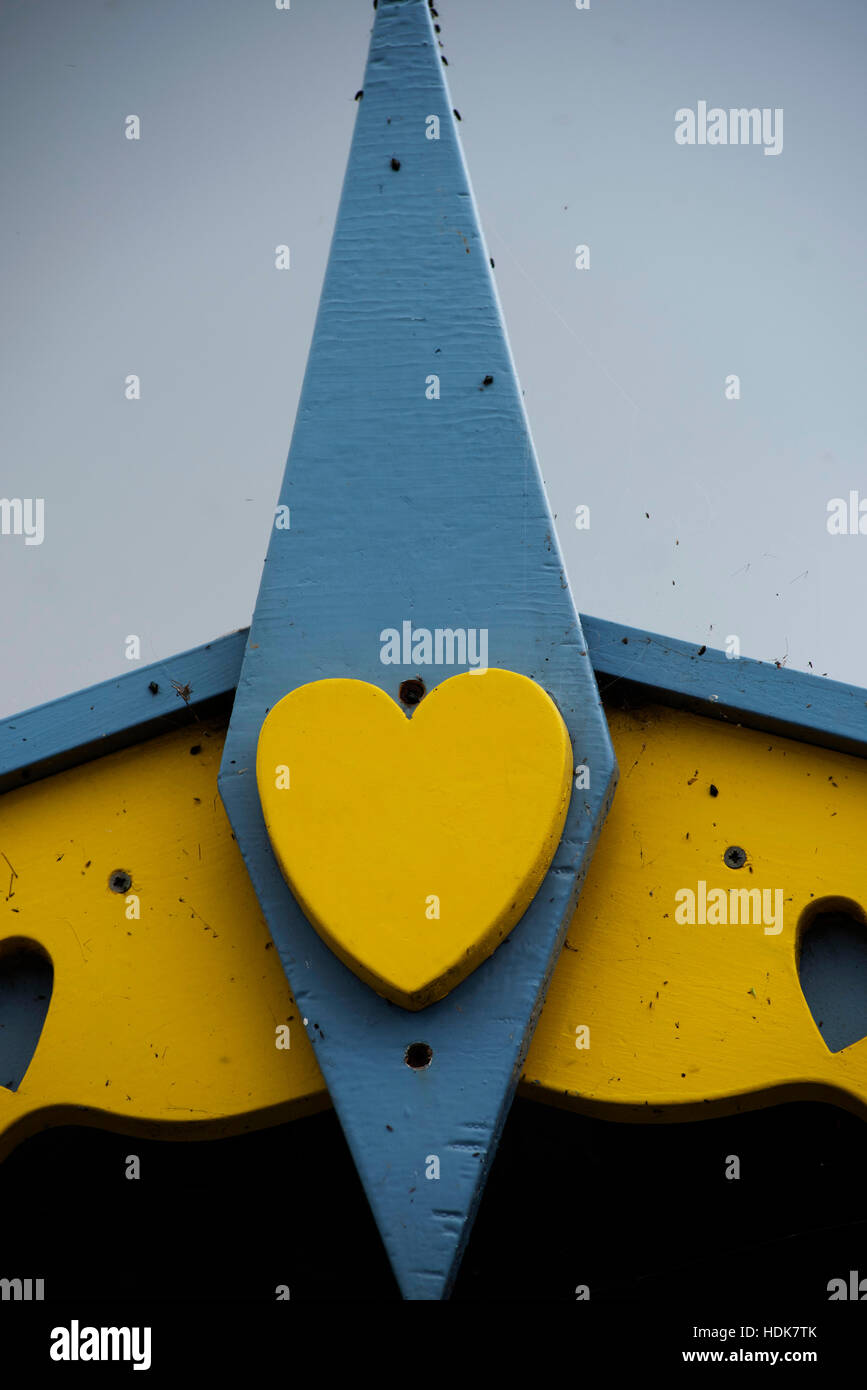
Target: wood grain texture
[[410, 508]]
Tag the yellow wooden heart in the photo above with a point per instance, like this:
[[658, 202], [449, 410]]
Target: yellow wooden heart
[[415, 845]]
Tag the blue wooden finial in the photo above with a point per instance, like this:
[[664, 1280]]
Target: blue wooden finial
[[412, 505]]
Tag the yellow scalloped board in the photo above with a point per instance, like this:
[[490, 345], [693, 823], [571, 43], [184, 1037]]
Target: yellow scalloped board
[[178, 1011], [688, 1020], [414, 845], [165, 1025]]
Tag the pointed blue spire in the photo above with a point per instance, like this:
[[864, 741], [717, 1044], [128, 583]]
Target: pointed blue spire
[[414, 496]]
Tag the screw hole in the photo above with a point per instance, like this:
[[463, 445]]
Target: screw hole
[[412, 691], [418, 1056], [119, 881]]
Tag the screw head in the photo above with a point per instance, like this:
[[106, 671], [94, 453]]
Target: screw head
[[735, 857]]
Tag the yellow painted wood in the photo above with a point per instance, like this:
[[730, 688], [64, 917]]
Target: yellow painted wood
[[688, 1020], [165, 1025], [178, 1011], [415, 845]]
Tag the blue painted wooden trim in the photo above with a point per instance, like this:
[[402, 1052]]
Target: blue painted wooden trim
[[114, 714], [416, 499], [743, 691]]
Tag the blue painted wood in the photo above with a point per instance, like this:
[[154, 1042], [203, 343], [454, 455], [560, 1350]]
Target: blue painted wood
[[113, 714], [429, 511], [744, 691], [116, 713]]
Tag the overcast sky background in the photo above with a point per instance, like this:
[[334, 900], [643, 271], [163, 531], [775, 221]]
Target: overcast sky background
[[156, 257]]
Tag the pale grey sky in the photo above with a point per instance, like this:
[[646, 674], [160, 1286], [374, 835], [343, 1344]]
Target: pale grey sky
[[156, 257]]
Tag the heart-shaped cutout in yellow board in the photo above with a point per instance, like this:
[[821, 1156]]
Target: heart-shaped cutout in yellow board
[[414, 845]]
